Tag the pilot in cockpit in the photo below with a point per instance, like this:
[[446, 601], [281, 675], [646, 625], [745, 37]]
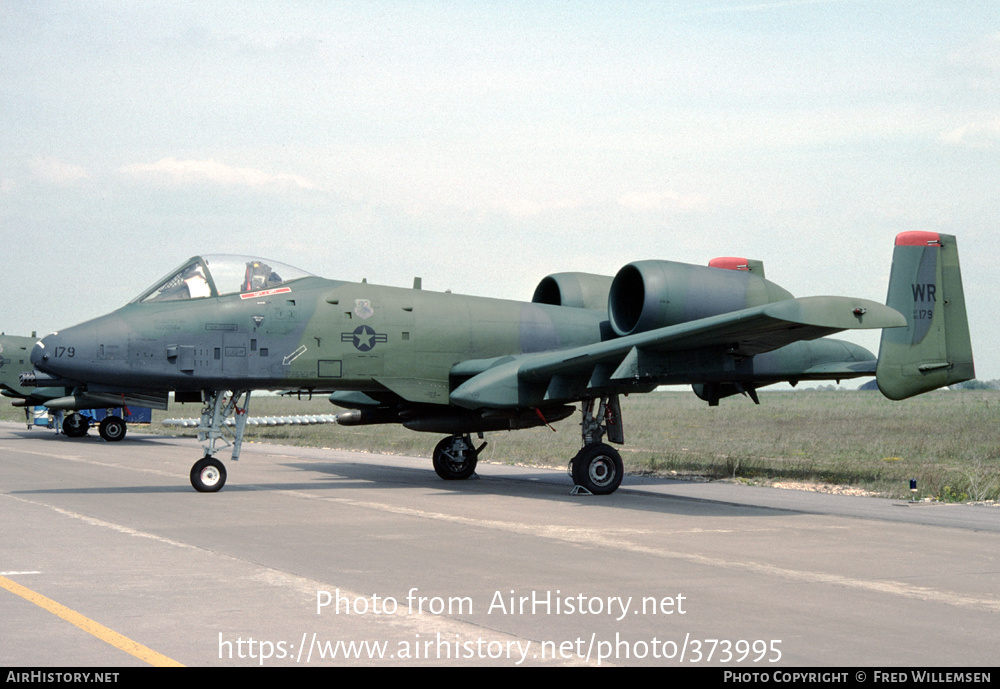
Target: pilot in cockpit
[[259, 276]]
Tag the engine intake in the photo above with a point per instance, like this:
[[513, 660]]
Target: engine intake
[[653, 294], [577, 290]]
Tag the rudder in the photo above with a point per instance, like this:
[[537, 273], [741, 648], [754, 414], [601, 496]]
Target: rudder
[[934, 349]]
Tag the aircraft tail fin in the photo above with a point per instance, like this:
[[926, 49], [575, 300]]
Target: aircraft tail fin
[[934, 349]]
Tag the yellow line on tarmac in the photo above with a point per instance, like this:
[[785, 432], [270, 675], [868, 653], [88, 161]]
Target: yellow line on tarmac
[[88, 625]]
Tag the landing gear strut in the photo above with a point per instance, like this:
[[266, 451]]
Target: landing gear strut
[[597, 468], [455, 457], [208, 474]]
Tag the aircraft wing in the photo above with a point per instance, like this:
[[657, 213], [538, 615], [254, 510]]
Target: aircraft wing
[[656, 357]]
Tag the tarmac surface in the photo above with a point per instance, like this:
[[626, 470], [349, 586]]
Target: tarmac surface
[[313, 556]]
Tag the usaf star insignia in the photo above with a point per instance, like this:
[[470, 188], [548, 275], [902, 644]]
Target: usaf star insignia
[[364, 338]]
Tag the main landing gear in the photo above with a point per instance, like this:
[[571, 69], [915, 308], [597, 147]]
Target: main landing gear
[[455, 457], [208, 474], [597, 468]]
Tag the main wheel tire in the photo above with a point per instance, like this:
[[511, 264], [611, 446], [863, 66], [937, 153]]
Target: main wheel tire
[[75, 426], [455, 459], [208, 475], [598, 468], [112, 429]]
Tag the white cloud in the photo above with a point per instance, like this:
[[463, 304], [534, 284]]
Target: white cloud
[[984, 134], [185, 172], [662, 201], [56, 171], [527, 207]]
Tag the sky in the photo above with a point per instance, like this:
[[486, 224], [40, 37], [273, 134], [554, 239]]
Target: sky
[[485, 145]]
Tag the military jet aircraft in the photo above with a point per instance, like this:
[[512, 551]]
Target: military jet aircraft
[[14, 361], [14, 353], [219, 327]]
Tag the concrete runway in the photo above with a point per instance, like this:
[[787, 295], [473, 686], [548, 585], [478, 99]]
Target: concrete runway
[[321, 557]]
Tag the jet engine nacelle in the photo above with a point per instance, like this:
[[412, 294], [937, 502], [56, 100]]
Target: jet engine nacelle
[[653, 294], [577, 290]]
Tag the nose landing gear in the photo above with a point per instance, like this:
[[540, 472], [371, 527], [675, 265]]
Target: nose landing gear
[[75, 425], [208, 475], [112, 428]]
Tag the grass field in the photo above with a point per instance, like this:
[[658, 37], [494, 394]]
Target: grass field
[[948, 441]]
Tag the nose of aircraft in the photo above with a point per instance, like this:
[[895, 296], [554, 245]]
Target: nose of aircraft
[[66, 352], [37, 353], [96, 351], [50, 351]]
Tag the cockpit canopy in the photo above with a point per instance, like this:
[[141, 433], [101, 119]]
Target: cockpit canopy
[[214, 275]]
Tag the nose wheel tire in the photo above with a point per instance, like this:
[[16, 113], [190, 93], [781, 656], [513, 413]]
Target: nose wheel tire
[[208, 475], [75, 426], [112, 429], [598, 468]]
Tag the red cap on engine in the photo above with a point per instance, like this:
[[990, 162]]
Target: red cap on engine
[[918, 238], [730, 263]]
